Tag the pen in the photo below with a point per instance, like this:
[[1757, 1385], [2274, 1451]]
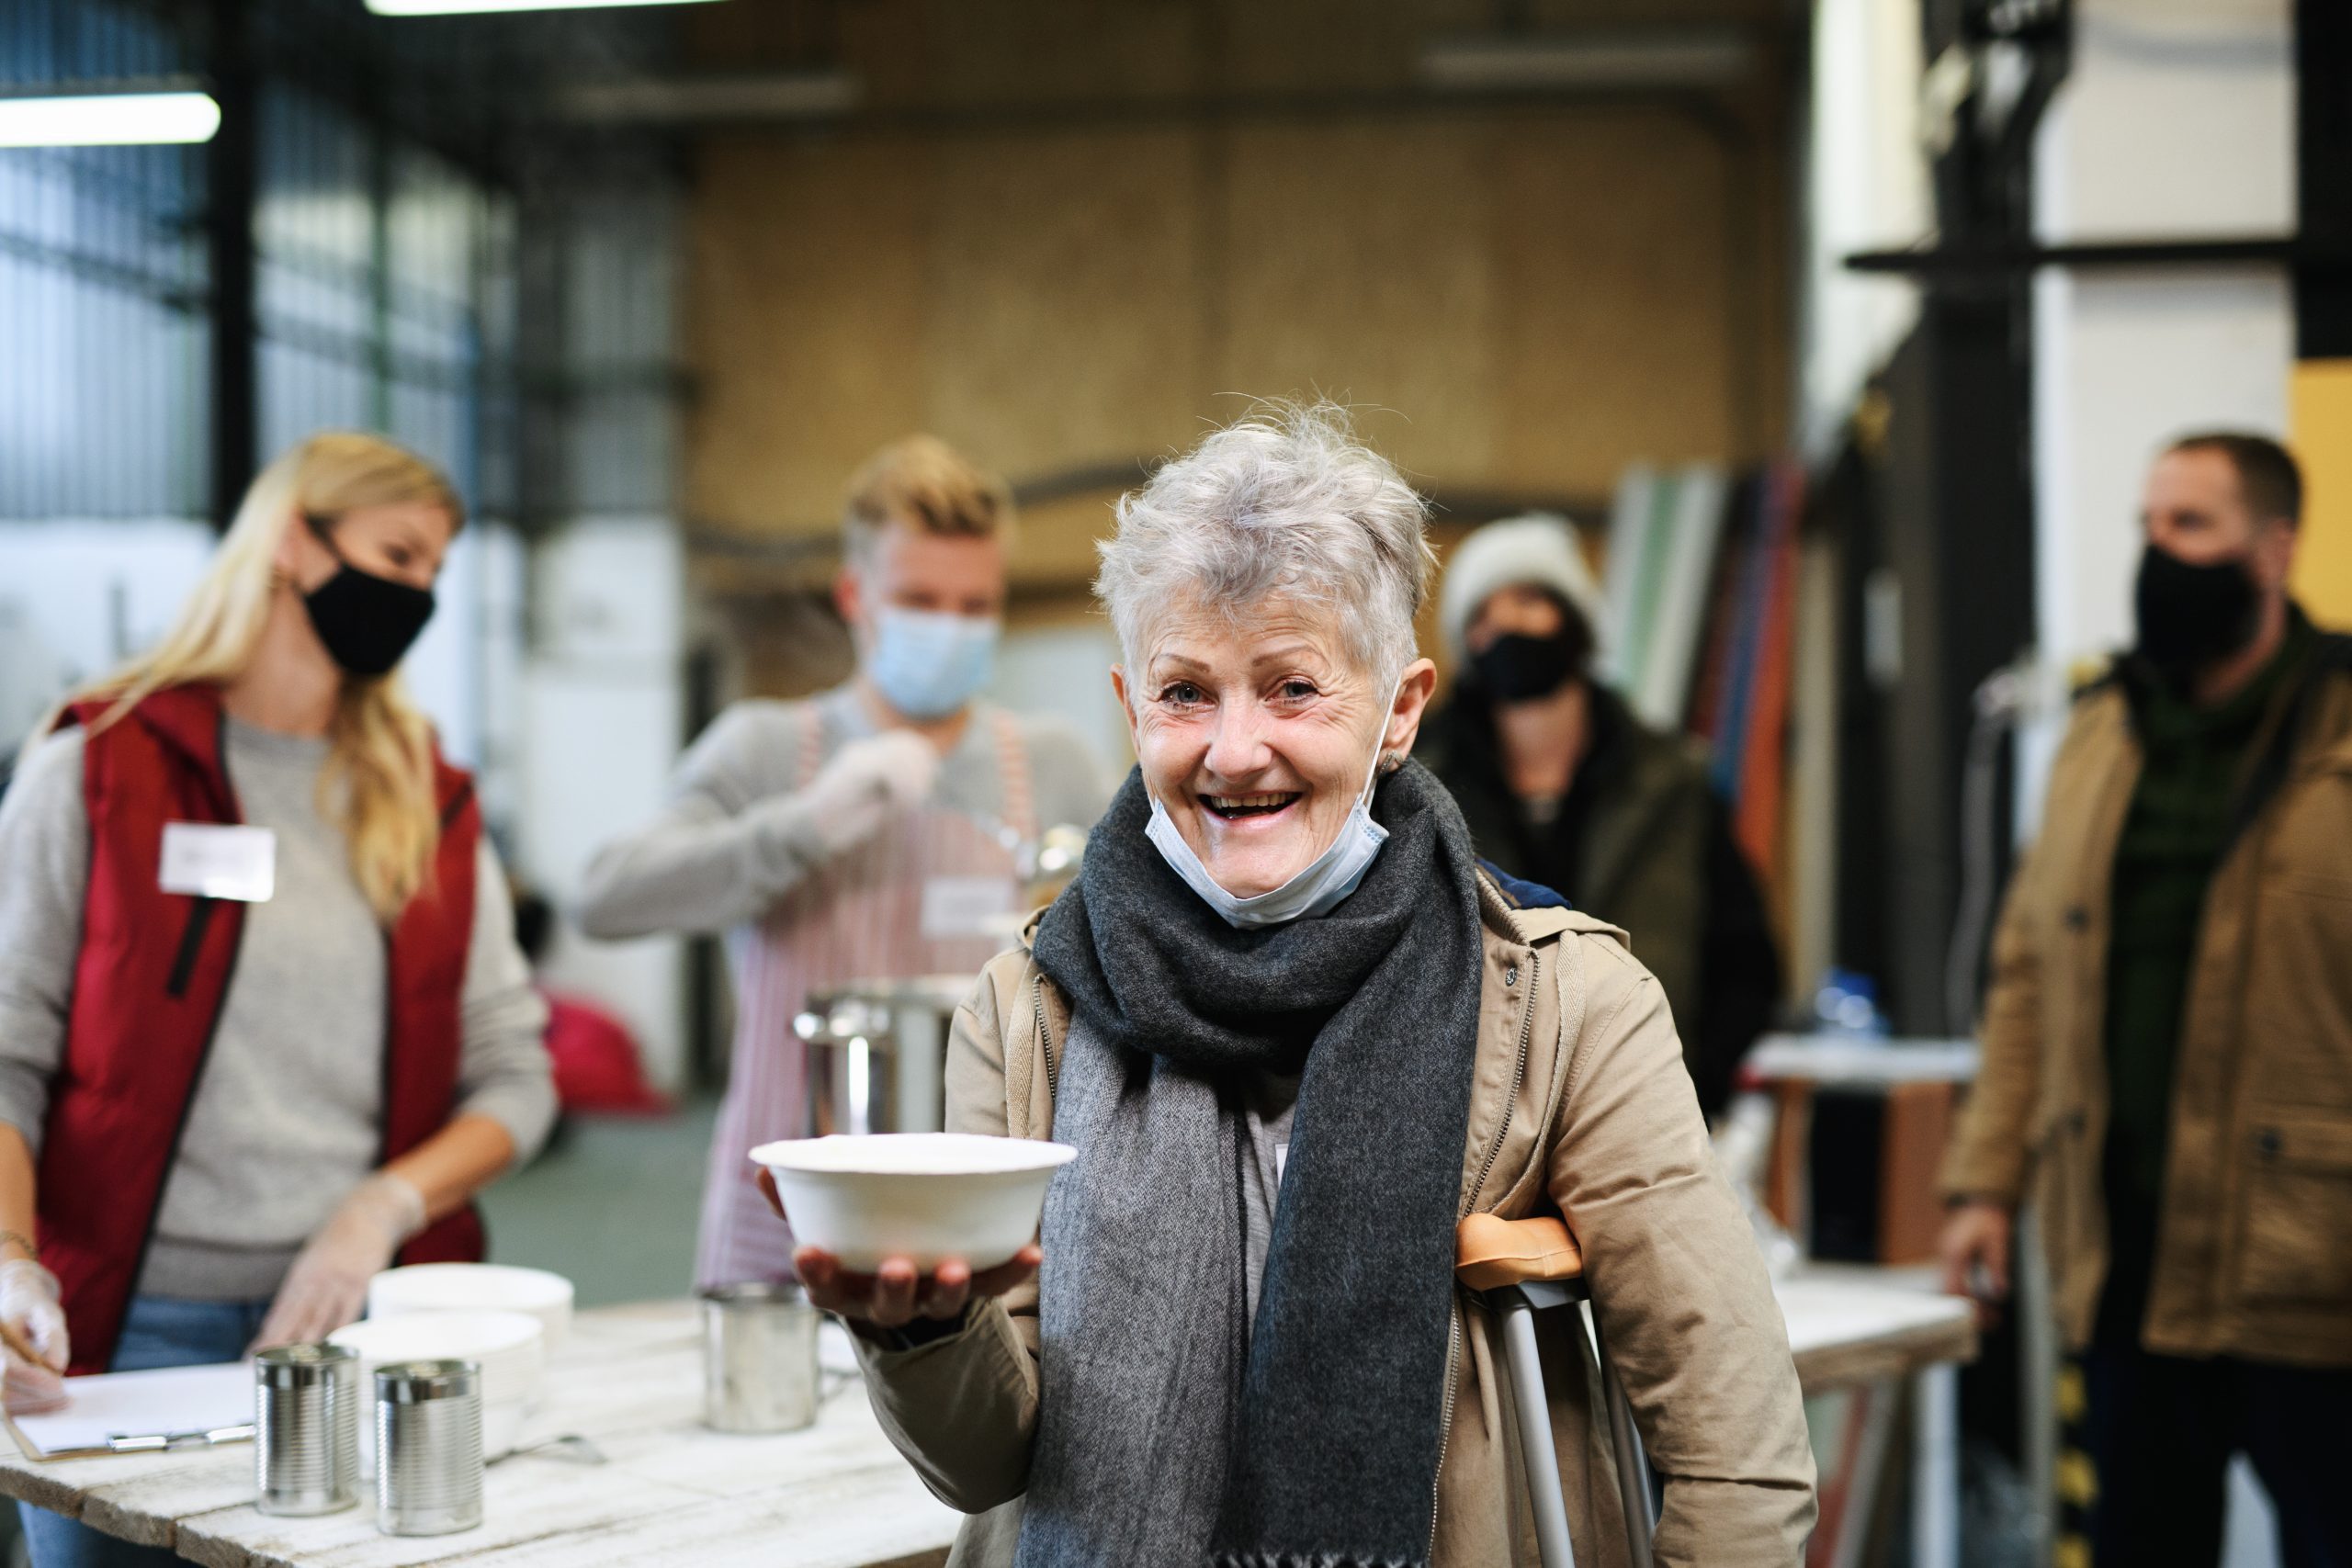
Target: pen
[[17, 1346], [169, 1442]]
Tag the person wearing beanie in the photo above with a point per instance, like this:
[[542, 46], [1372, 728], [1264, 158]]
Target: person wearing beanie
[[1563, 785]]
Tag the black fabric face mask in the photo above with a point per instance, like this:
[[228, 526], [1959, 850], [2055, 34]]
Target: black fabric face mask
[[1515, 667], [2191, 617], [367, 622]]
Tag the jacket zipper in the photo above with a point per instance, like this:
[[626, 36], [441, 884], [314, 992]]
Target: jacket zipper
[[1518, 1077], [200, 921], [1445, 1421], [1454, 1302], [1046, 1046]]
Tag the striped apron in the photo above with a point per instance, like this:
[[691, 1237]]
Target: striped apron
[[860, 918]]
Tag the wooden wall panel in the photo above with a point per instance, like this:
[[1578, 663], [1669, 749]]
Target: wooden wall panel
[[1357, 264], [1333, 45], [1062, 51], [1518, 302], [1610, 240], [1061, 308], [1055, 549], [804, 320]]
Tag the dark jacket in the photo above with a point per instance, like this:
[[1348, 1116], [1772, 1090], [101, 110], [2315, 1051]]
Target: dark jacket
[[1642, 842]]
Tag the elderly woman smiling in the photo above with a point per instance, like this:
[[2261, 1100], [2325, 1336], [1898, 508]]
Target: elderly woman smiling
[[1297, 1033]]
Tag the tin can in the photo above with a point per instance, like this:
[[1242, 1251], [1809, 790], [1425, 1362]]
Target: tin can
[[759, 1358], [306, 1430], [428, 1447]]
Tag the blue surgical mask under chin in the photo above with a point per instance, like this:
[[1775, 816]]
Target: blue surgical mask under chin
[[927, 664], [1317, 889]]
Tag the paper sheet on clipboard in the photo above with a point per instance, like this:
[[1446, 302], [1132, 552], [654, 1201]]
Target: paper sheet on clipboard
[[178, 1400]]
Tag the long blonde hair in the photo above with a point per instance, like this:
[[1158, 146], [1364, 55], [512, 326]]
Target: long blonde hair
[[377, 784]]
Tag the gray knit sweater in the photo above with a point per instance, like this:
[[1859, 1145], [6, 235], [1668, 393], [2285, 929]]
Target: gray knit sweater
[[287, 1118], [737, 832]]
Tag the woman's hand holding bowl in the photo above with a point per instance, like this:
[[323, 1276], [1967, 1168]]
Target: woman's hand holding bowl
[[897, 1292]]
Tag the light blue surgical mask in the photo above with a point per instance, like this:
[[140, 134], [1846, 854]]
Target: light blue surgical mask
[[927, 664], [1316, 890]]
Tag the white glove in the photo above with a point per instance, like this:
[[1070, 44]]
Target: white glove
[[866, 783], [29, 1305], [328, 1284]]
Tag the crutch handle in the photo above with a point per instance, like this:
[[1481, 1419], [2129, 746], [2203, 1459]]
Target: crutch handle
[[1490, 1252]]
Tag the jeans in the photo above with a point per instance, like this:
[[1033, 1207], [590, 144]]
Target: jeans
[[2143, 1482], [156, 1332]]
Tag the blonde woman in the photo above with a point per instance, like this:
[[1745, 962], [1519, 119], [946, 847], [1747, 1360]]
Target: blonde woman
[[263, 1028]]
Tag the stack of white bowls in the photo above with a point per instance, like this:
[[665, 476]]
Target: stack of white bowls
[[509, 1347], [474, 1287]]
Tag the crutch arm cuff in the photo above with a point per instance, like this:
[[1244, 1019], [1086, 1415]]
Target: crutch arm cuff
[[1490, 1252]]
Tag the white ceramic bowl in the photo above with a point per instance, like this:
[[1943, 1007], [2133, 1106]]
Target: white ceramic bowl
[[510, 1348], [924, 1196], [474, 1287]]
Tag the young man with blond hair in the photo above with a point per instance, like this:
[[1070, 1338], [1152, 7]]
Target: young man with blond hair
[[874, 831]]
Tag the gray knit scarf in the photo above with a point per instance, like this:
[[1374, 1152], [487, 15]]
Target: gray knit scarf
[[1171, 1430]]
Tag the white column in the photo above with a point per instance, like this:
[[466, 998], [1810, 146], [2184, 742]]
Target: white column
[[601, 708], [1866, 188], [2175, 121]]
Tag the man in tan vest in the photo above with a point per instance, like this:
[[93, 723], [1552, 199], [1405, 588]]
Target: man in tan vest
[[2168, 1045]]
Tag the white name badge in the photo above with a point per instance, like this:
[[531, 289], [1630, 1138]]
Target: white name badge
[[213, 862], [964, 906]]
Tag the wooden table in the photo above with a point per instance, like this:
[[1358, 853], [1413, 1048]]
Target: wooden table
[[836, 1495], [1871, 1332], [1918, 1082], [1851, 1324], [629, 1379]]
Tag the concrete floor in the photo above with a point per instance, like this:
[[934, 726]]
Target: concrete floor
[[613, 1206]]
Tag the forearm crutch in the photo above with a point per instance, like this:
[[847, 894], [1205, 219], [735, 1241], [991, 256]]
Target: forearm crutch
[[1520, 1267]]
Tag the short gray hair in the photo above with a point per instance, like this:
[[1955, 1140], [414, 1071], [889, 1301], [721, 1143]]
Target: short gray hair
[[1286, 503]]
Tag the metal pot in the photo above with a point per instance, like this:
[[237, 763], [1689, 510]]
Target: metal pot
[[878, 1049], [878, 1052]]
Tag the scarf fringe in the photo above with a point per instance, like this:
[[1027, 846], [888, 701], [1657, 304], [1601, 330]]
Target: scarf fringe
[[1310, 1560]]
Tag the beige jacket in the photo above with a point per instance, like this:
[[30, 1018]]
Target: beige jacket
[[2253, 1245], [1580, 1102]]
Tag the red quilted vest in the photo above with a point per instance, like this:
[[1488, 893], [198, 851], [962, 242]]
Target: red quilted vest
[[148, 991]]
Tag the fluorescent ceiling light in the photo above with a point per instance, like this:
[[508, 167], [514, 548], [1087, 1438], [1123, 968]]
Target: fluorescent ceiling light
[[108, 119], [471, 8], [1590, 60]]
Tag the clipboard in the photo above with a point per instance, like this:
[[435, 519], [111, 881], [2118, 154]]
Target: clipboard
[[168, 1411]]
